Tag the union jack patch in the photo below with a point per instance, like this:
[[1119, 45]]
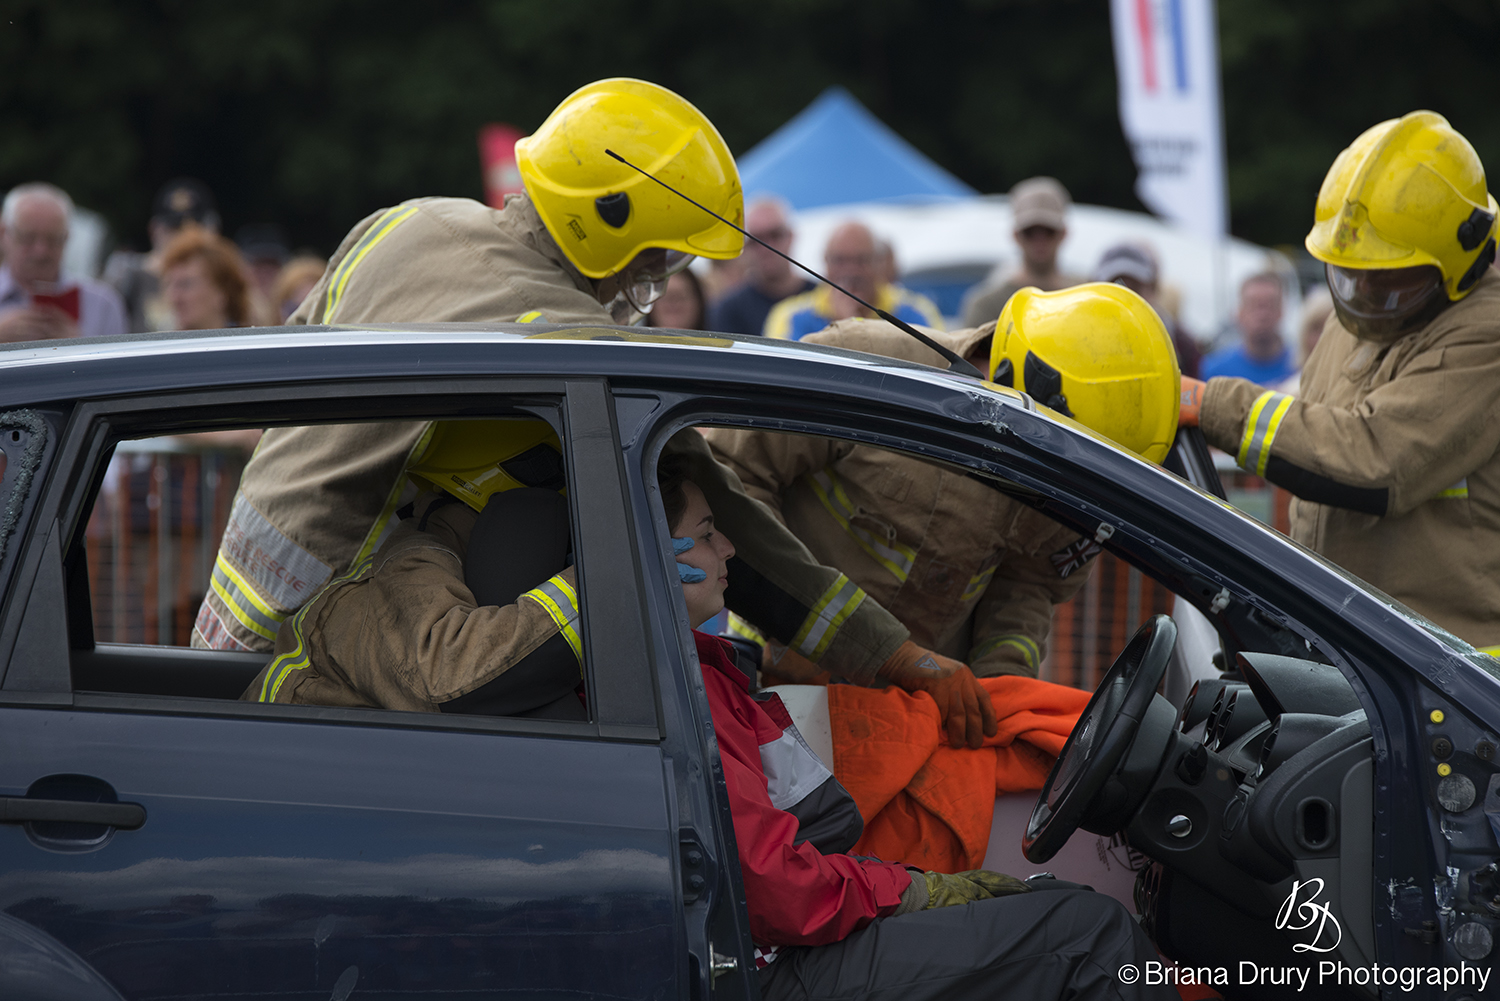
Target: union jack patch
[[1071, 558]]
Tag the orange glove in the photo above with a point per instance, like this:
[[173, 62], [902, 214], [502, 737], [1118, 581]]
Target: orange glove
[[780, 665], [963, 701], [1192, 402]]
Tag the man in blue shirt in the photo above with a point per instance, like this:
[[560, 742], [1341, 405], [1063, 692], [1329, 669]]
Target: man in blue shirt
[[768, 278], [853, 260], [1261, 356]]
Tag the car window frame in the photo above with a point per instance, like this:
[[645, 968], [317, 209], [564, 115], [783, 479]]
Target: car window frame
[[624, 704]]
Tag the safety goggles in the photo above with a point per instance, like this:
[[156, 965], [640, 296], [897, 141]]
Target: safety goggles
[[647, 274], [1379, 303]]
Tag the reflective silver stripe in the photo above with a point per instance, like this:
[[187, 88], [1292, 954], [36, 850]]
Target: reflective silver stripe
[[977, 584], [793, 771], [823, 622], [1264, 420], [242, 602], [557, 596], [1031, 654], [280, 572], [829, 489], [1458, 491]]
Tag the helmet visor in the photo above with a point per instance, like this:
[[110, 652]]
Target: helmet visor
[[1378, 303], [646, 275]]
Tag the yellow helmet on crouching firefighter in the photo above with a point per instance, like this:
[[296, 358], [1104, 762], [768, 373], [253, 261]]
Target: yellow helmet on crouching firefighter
[[1409, 192], [473, 460], [1097, 353], [601, 212]]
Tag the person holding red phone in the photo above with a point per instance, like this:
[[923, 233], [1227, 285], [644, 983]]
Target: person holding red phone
[[35, 302]]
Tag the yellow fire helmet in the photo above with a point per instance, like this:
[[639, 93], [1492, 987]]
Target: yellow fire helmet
[[1408, 192], [473, 460], [601, 212], [1097, 353]]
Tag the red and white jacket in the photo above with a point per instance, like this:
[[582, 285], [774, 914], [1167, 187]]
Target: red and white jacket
[[785, 803]]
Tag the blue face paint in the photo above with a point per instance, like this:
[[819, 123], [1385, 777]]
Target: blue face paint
[[685, 573]]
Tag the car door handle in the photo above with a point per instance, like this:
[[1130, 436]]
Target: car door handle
[[23, 810]]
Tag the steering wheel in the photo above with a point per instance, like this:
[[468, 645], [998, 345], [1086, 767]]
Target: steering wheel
[[1098, 743]]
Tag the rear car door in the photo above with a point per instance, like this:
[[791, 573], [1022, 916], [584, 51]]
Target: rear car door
[[170, 844]]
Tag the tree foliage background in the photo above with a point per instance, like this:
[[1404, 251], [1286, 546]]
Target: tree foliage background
[[312, 113]]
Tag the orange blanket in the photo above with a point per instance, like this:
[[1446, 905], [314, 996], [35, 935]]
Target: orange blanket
[[925, 803]]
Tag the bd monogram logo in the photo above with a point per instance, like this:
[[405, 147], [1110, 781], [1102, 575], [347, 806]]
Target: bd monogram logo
[[1301, 911]]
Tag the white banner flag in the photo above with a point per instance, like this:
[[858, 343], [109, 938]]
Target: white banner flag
[[1167, 57]]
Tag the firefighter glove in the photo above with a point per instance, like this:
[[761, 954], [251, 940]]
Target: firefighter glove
[[1192, 402], [961, 699], [929, 890]]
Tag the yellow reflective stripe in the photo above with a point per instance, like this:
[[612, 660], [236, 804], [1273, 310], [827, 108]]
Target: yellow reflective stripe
[[1458, 491], [297, 658], [745, 630], [243, 603], [382, 228], [533, 316], [1266, 414], [557, 596], [823, 622], [388, 511], [895, 557], [1031, 654], [1493, 651], [977, 584]]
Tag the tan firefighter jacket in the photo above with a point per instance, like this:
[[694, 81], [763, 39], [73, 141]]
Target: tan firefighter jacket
[[968, 570], [1391, 451], [402, 631], [316, 501]]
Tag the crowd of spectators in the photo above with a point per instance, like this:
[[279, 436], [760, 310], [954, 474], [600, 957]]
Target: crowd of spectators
[[762, 294], [193, 278]]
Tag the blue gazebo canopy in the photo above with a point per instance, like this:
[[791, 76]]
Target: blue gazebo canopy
[[835, 152]]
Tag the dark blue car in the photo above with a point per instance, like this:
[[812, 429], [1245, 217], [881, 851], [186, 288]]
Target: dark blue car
[[1335, 787]]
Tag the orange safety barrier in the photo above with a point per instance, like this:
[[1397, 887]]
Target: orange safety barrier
[[152, 537], [1091, 628]]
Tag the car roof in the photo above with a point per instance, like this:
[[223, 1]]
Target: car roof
[[81, 368]]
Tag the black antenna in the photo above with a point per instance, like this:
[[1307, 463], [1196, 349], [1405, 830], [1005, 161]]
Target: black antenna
[[955, 363]]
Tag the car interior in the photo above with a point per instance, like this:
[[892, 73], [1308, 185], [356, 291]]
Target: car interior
[[1251, 785]]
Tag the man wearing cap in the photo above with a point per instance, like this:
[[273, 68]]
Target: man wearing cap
[[1039, 212], [136, 276], [35, 302], [263, 245], [1133, 265]]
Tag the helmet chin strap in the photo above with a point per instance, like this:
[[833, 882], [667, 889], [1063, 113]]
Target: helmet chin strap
[[621, 309]]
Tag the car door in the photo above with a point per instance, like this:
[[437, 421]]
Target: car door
[[169, 845]]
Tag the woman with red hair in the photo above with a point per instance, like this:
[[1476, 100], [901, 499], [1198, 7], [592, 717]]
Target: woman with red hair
[[203, 281]]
